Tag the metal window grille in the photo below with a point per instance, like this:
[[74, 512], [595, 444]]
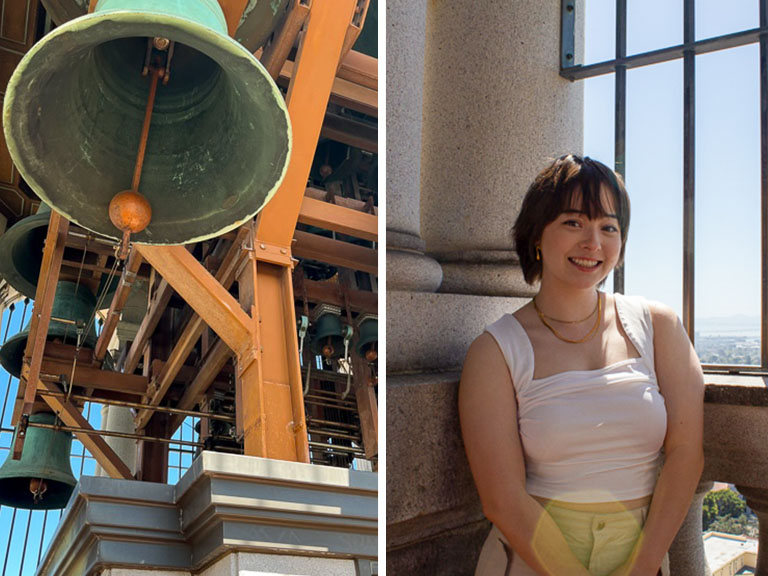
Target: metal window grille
[[687, 51], [25, 534]]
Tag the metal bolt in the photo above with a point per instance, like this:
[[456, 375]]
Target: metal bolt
[[283, 251], [569, 56], [262, 246], [569, 7]]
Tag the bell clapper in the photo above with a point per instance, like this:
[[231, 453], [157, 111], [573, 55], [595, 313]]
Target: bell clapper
[[129, 210], [37, 486]]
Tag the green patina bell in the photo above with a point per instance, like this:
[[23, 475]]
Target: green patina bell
[[328, 340], [368, 337], [260, 18], [220, 136], [21, 254], [74, 305], [44, 467]]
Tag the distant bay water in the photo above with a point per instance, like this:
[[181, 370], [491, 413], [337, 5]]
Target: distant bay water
[[729, 326]]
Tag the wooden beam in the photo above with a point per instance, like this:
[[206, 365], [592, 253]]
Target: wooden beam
[[351, 132], [148, 326], [93, 377], [339, 219], [355, 27], [360, 68], [53, 253], [367, 407], [343, 92], [119, 299], [332, 293], [276, 52], [351, 203], [96, 445], [335, 252]]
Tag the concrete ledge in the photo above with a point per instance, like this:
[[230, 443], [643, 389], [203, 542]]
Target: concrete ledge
[[223, 504]]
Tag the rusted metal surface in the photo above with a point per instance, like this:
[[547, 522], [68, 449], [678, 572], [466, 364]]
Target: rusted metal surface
[[118, 302], [41, 316], [276, 52]]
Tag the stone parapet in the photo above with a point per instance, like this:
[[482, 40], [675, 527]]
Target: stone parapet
[[224, 504], [432, 332]]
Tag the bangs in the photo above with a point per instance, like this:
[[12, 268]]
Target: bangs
[[584, 188]]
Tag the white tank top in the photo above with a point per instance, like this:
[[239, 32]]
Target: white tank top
[[589, 435]]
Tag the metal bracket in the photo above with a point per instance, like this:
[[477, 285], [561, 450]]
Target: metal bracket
[[567, 34]]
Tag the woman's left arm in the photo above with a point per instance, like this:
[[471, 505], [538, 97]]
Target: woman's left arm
[[681, 382]]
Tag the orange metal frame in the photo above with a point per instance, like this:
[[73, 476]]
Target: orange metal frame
[[261, 328], [263, 336]]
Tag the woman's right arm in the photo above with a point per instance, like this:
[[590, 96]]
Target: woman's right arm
[[488, 413]]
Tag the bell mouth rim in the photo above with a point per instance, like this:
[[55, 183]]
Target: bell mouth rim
[[7, 240], [222, 45]]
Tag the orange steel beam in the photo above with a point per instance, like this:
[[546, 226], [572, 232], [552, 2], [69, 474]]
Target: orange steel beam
[[233, 13], [339, 219], [271, 406], [191, 333], [118, 301], [308, 93], [215, 305], [53, 253], [96, 445]]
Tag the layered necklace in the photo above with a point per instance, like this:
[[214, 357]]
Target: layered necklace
[[543, 317]]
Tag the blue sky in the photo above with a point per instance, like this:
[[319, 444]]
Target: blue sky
[[727, 152]]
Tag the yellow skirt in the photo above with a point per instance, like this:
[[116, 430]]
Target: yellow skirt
[[602, 542]]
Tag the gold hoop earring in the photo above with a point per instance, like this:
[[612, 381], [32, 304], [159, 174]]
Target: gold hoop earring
[[538, 253]]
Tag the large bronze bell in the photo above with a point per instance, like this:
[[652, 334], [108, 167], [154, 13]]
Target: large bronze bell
[[21, 255], [328, 339], [257, 24], [368, 337], [219, 140], [72, 309], [42, 479]]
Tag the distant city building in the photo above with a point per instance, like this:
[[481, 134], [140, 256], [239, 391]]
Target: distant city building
[[728, 554]]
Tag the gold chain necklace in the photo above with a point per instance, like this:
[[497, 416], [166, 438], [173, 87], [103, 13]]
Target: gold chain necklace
[[587, 317], [589, 334]]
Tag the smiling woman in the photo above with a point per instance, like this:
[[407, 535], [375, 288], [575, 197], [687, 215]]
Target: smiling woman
[[581, 391]]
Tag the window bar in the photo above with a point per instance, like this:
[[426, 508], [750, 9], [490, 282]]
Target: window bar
[[689, 166], [82, 454], [620, 118], [42, 537], [10, 537], [764, 184], [26, 540]]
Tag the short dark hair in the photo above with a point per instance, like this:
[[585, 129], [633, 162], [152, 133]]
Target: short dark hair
[[552, 193]]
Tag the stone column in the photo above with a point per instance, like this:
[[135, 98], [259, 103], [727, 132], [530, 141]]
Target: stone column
[[119, 419], [495, 111], [757, 499], [686, 555], [407, 266]]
